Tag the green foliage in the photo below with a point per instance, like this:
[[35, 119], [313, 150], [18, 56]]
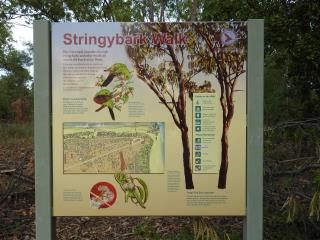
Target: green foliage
[[277, 104], [183, 234], [203, 231], [134, 188], [292, 83], [314, 209], [291, 44], [291, 208], [81, 10], [15, 80], [287, 231], [5, 37], [147, 231], [13, 133], [227, 10], [292, 91]]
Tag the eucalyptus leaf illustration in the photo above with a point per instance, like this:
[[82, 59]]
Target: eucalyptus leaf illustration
[[134, 188]]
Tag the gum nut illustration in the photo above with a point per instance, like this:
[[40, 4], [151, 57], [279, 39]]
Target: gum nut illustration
[[104, 97], [118, 70], [117, 98]]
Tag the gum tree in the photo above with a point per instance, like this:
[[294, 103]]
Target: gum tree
[[168, 78], [224, 48]]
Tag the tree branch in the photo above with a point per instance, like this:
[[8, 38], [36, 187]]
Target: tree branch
[[143, 76], [298, 171], [292, 123]]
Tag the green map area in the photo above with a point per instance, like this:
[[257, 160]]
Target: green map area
[[112, 147]]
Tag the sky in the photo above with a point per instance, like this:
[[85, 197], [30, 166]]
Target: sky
[[22, 33]]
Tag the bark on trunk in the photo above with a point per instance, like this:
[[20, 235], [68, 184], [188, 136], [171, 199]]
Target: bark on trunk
[[224, 158], [226, 101], [186, 159]]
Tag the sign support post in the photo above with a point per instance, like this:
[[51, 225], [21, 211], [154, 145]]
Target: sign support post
[[45, 228], [253, 229]]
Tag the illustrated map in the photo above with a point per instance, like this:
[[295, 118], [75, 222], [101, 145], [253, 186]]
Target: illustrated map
[[136, 147]]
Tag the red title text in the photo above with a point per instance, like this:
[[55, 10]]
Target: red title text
[[138, 39]]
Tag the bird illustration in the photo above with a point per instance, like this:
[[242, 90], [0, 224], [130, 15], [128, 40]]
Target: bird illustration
[[117, 70], [117, 97], [105, 98]]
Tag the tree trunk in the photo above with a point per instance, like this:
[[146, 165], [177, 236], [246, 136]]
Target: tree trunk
[[194, 11], [186, 158], [224, 157]]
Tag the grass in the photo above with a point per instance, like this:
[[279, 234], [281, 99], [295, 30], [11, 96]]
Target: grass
[[147, 230], [14, 133]]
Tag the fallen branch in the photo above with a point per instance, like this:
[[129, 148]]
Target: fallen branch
[[298, 171], [7, 171], [21, 194], [16, 175], [297, 159], [15, 179], [292, 124]]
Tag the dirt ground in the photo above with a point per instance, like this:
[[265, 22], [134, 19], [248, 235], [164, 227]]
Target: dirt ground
[[17, 209]]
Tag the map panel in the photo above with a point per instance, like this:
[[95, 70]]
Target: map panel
[[137, 147]]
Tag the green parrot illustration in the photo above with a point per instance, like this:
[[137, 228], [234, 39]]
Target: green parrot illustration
[[105, 98], [117, 70], [119, 95]]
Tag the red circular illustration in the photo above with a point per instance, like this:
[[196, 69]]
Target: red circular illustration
[[102, 195]]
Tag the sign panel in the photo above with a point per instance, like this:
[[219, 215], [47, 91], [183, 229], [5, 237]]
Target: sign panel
[[149, 118]]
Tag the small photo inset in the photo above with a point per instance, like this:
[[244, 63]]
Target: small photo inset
[[198, 147], [198, 115], [198, 108], [198, 168], [198, 128], [198, 121], [198, 161], [198, 154], [198, 140]]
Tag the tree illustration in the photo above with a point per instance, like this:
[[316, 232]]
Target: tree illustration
[[168, 77], [223, 49], [211, 48]]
